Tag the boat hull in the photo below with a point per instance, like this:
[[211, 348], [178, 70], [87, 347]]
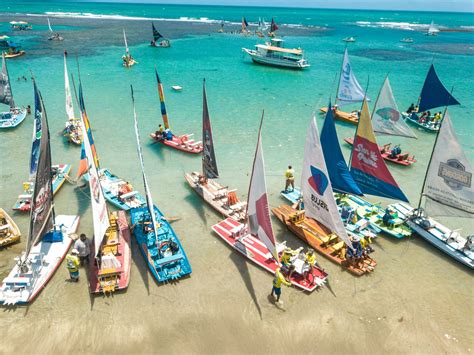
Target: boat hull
[[182, 143], [216, 196], [437, 235], [321, 239], [253, 249], [9, 231], [23, 288], [14, 55], [275, 62], [23, 204], [163, 267], [351, 118], [427, 127], [403, 159], [123, 255], [9, 120], [110, 186]]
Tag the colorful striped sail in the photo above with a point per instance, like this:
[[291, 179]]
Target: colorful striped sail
[[83, 164], [162, 101], [367, 165]]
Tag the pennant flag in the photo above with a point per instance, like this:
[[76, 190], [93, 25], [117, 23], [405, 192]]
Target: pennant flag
[[318, 195], [386, 118], [448, 187], [367, 166], [339, 174]]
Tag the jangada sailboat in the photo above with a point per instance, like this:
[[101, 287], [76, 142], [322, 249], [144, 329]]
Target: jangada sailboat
[[320, 223], [184, 142], [348, 91], [158, 39], [155, 237], [448, 191], [255, 239], [109, 269], [49, 235], [432, 30], [388, 121], [54, 36], [72, 130], [117, 191], [9, 231], [220, 197], [15, 115], [59, 172], [127, 58], [433, 95]]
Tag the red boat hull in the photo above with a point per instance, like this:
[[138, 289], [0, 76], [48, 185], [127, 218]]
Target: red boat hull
[[409, 160], [182, 143], [124, 257], [252, 248]]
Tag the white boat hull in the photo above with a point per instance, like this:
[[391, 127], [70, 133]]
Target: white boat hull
[[437, 235], [276, 62], [45, 257]]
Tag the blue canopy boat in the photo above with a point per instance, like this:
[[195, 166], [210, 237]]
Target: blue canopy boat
[[433, 95], [156, 239]]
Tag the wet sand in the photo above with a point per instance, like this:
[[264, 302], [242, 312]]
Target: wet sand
[[417, 300]]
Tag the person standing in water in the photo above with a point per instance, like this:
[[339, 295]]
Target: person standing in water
[[290, 179], [277, 281], [72, 264]]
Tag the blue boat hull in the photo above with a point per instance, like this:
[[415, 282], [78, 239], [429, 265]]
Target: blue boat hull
[[164, 264]]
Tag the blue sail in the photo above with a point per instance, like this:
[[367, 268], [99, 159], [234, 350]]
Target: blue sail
[[35, 145], [339, 174], [434, 94]]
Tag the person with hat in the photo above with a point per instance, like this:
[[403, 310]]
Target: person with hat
[[72, 264], [277, 281]]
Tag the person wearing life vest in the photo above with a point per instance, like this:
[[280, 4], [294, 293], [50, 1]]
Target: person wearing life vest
[[310, 257], [290, 178], [72, 264], [277, 281]]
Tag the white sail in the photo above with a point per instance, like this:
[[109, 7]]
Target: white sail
[[100, 213], [433, 30], [49, 26], [386, 117], [6, 95], [67, 89], [264, 25], [258, 212], [125, 40], [448, 188], [149, 200], [316, 187], [349, 88]]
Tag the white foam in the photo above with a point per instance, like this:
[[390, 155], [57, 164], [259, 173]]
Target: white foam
[[409, 26]]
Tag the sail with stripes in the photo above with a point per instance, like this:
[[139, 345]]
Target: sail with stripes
[[209, 163], [161, 94], [149, 200], [449, 189], [258, 212], [367, 165], [316, 187]]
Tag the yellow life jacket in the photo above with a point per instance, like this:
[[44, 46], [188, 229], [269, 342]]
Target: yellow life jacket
[[72, 263]]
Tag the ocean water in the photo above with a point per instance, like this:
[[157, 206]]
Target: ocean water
[[238, 91]]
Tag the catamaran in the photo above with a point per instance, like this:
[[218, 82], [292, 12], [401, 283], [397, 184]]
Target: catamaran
[[54, 36], [320, 223], [59, 172], [220, 197], [348, 91], [158, 39], [117, 191], [184, 142], [72, 129], [433, 95], [448, 191], [127, 58], [274, 54], [157, 241], [109, 268], [15, 115], [432, 30], [9, 231], [255, 238], [49, 236]]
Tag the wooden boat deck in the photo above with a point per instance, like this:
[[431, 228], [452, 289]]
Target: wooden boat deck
[[320, 238]]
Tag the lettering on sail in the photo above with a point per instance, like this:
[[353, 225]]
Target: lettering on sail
[[319, 203], [454, 174], [366, 156]]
